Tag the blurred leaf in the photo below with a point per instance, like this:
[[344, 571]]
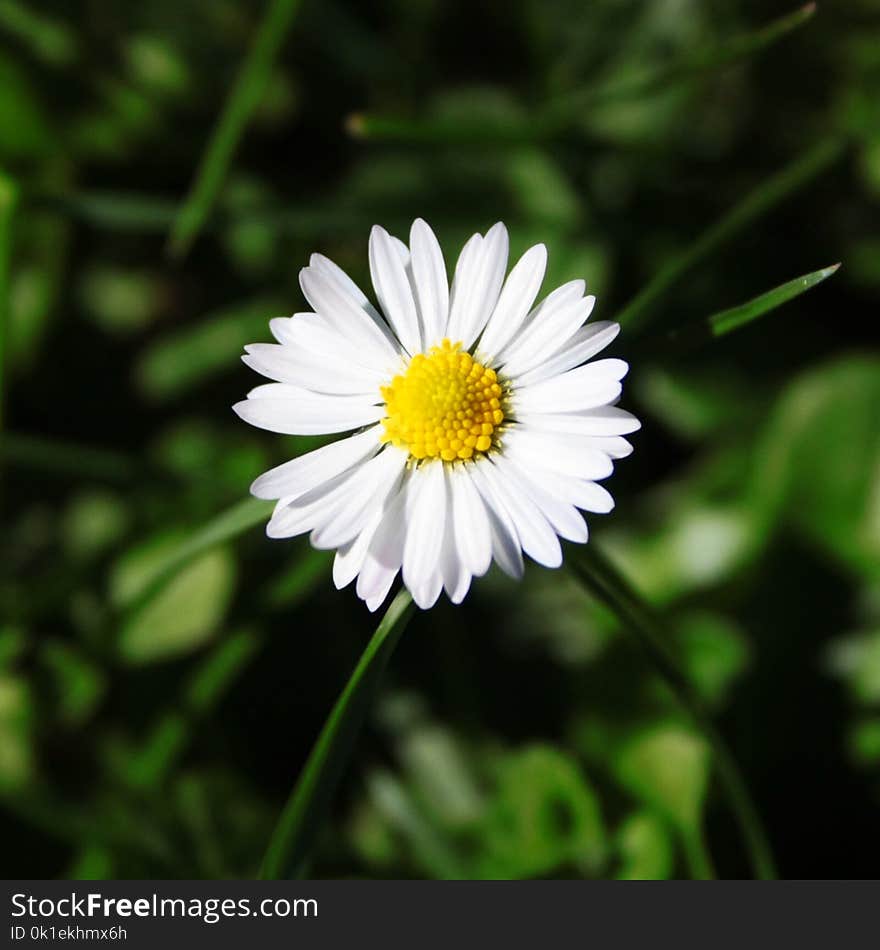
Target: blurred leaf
[[92, 522], [155, 65], [184, 359], [149, 566], [49, 39], [12, 644], [8, 201], [250, 85], [692, 405], [16, 748], [25, 132], [864, 742], [184, 613], [544, 814], [120, 301], [434, 762], [714, 652], [666, 767], [79, 685], [819, 458], [857, 659], [645, 850], [427, 843]]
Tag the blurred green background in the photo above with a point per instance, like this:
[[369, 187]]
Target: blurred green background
[[158, 696]]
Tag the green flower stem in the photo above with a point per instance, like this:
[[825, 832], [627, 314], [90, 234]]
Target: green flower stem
[[301, 819], [604, 580]]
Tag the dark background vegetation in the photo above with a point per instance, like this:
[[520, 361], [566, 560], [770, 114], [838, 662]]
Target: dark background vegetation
[[154, 730]]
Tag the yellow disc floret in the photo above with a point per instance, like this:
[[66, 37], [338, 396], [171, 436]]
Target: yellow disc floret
[[446, 405]]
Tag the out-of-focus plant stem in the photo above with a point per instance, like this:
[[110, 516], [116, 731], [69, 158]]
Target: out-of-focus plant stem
[[604, 580], [245, 97], [760, 202], [8, 202], [308, 803]]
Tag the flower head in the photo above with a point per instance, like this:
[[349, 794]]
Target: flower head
[[477, 426]]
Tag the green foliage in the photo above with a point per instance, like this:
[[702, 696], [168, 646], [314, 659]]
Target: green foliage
[[184, 614], [165, 669]]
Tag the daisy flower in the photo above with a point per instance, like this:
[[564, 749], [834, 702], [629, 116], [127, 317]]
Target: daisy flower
[[476, 427]]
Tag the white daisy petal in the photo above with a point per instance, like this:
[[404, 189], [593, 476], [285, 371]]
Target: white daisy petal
[[488, 447], [430, 281], [349, 558], [567, 454], [393, 289], [286, 364], [385, 552], [583, 345], [558, 300], [479, 275], [290, 410], [506, 545], [302, 474], [377, 479], [517, 297], [547, 335], [424, 537], [345, 315], [612, 445], [537, 538], [562, 516], [470, 522], [453, 568], [587, 387], [598, 421]]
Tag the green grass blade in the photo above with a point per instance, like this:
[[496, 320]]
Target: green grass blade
[[227, 525], [760, 202], [558, 114], [610, 587], [727, 320], [68, 459], [244, 98], [301, 818], [8, 202], [572, 105]]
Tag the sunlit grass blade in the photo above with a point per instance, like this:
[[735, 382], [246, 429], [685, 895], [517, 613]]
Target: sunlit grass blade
[[226, 526], [8, 202], [759, 203], [250, 85], [725, 321], [609, 586], [301, 818], [561, 112]]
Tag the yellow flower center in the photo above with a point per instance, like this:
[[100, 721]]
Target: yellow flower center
[[446, 405]]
